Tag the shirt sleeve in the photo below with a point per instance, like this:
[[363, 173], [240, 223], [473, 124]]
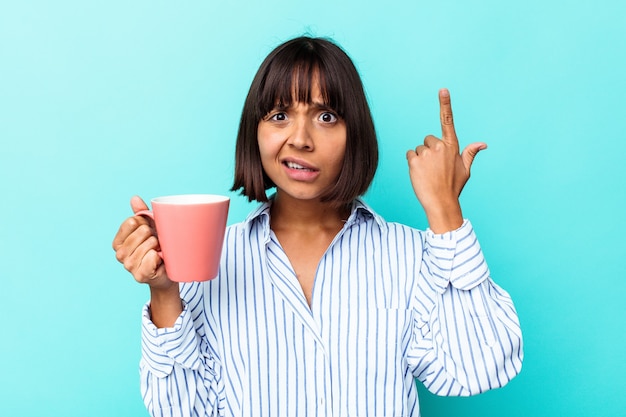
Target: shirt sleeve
[[466, 337], [180, 374]]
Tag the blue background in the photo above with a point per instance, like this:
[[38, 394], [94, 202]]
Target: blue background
[[103, 100]]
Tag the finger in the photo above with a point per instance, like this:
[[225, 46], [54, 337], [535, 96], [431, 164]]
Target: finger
[[149, 266], [420, 150], [154, 264], [140, 235], [138, 262], [470, 152], [137, 204], [432, 142], [448, 133], [128, 228], [133, 241], [130, 224]]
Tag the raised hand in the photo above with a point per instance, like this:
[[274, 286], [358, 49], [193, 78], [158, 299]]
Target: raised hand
[[439, 172]]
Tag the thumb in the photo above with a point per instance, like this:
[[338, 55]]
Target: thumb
[[470, 152], [137, 204]]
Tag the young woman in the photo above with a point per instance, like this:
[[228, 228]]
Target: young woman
[[321, 307]]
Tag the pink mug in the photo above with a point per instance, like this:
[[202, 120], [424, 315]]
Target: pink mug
[[190, 229]]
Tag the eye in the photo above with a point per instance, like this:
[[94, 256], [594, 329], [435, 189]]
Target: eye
[[278, 117], [328, 117]]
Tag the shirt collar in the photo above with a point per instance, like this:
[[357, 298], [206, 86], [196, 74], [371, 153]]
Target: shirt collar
[[361, 211]]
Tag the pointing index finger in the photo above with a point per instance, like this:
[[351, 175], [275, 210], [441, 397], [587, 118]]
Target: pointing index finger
[[447, 120]]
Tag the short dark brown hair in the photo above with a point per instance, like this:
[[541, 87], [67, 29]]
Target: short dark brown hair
[[288, 74]]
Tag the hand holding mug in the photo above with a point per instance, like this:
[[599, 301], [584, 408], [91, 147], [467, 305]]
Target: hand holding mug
[[190, 231], [136, 246]]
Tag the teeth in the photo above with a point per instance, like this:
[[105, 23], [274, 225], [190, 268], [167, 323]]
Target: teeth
[[293, 165]]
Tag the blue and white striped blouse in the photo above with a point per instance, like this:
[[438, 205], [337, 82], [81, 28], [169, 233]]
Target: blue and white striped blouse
[[390, 304]]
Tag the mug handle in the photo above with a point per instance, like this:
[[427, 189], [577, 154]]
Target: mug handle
[[146, 213], [150, 214]]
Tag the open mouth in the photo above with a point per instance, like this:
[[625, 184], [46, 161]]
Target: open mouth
[[293, 165]]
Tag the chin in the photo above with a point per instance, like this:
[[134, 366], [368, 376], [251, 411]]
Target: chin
[[302, 195]]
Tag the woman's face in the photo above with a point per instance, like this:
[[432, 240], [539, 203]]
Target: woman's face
[[302, 147]]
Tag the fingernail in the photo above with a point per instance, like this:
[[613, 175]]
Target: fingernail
[[444, 92]]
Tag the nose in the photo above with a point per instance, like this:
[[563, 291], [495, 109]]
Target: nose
[[301, 136]]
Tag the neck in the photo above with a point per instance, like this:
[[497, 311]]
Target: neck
[[288, 212]]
